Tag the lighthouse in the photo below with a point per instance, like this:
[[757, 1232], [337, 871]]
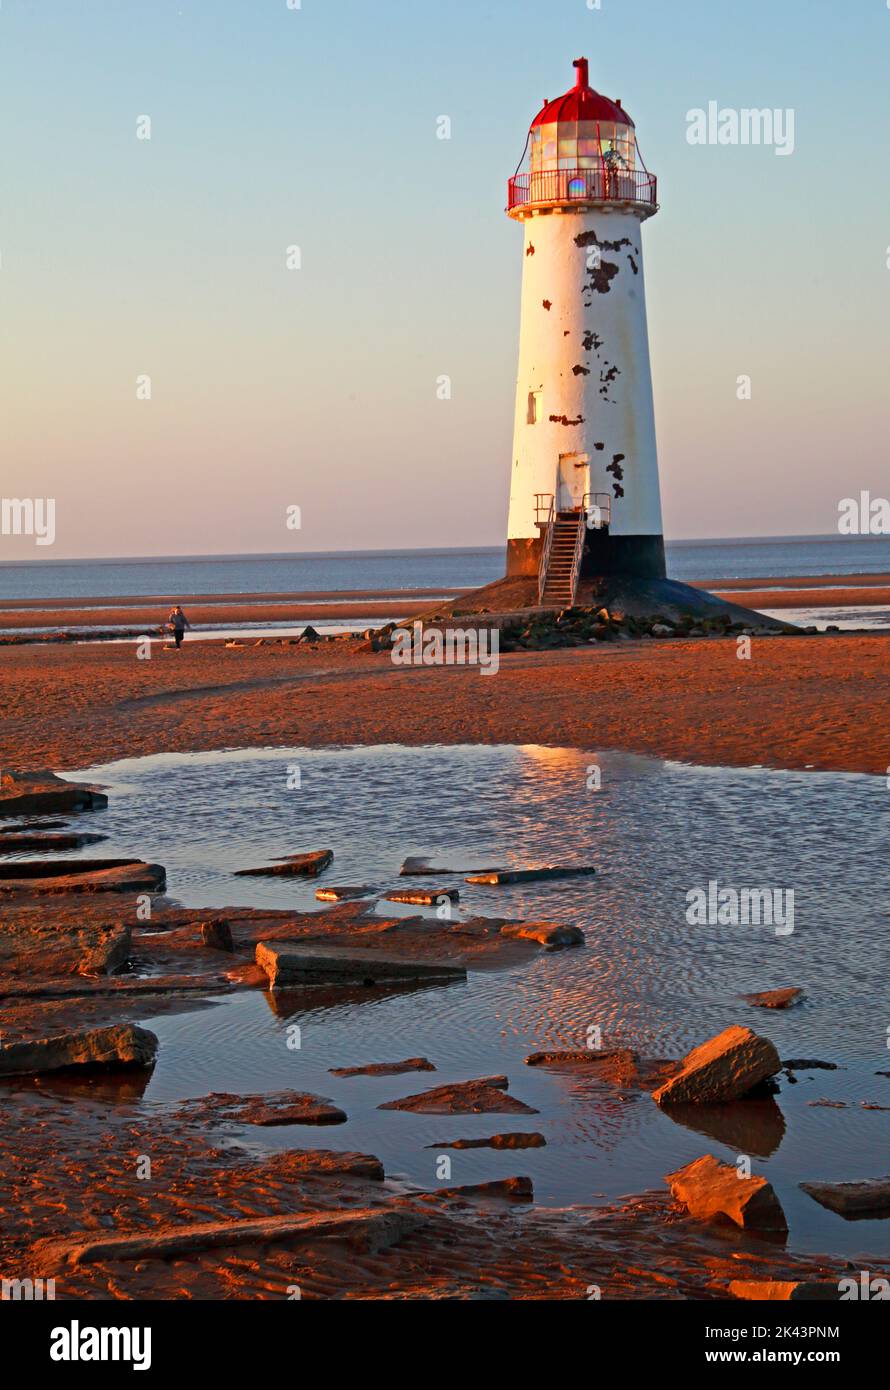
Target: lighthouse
[[584, 494]]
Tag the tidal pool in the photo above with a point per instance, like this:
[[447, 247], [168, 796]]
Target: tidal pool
[[647, 978]]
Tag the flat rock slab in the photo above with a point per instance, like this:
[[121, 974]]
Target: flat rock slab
[[385, 1068], [619, 1066], [122, 1046], [503, 876], [709, 1189], [371, 1227], [276, 1108], [515, 1140], [854, 1200], [550, 934], [773, 998], [485, 1096], [34, 793], [343, 895], [307, 865], [416, 865], [30, 841], [808, 1064], [49, 876], [288, 964], [425, 897], [785, 1290], [518, 1189], [726, 1067]]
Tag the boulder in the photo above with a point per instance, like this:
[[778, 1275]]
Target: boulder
[[709, 1189], [485, 1096], [549, 934], [853, 1200], [773, 998], [724, 1068], [289, 964], [307, 865], [122, 1046]]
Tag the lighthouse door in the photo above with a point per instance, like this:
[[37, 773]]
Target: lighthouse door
[[573, 482]]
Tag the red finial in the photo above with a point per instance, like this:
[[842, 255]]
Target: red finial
[[581, 80]]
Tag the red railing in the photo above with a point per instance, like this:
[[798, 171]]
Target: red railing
[[601, 184]]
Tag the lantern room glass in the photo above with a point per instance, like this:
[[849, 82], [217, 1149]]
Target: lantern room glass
[[582, 145]]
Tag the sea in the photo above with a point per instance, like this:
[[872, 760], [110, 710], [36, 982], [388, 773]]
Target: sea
[[442, 569]]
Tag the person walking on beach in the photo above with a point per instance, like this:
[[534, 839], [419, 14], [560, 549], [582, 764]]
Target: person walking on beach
[[178, 622]]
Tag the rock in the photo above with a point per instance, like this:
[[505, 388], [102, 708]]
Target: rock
[[808, 1064], [549, 934], [374, 1228], [486, 1096], [385, 1068], [307, 865], [416, 865], [18, 841], [287, 963], [110, 954], [708, 1189], [424, 896], [773, 998], [514, 1140], [286, 1108], [342, 895], [852, 1200], [33, 793], [785, 1290], [217, 935], [509, 1189], [46, 876], [309, 635], [122, 1046], [724, 1068], [501, 876], [661, 630]]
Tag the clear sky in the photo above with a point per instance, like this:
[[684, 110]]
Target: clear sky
[[273, 127]]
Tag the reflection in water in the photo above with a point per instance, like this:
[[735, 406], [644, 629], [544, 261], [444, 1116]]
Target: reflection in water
[[647, 978]]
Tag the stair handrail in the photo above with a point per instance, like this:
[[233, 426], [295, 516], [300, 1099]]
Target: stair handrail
[[579, 550], [544, 564]]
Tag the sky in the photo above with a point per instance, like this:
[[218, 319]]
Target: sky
[[316, 388]]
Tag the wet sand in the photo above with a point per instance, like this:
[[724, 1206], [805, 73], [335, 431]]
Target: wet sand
[[821, 702]]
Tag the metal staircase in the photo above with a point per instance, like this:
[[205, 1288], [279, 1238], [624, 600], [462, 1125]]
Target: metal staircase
[[561, 558]]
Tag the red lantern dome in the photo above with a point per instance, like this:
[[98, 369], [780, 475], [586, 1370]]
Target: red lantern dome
[[582, 103]]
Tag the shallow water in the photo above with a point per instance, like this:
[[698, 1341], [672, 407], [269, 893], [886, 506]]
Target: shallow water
[[646, 977]]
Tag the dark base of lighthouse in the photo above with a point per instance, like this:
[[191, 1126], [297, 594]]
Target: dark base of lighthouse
[[638, 556]]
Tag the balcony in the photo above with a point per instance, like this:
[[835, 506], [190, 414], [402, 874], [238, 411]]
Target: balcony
[[554, 187]]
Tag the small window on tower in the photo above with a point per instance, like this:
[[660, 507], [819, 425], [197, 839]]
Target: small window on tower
[[534, 404]]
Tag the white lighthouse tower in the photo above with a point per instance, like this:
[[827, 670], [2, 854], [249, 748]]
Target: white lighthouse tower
[[584, 496]]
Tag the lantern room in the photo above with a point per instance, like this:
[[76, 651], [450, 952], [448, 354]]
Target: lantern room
[[583, 148]]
